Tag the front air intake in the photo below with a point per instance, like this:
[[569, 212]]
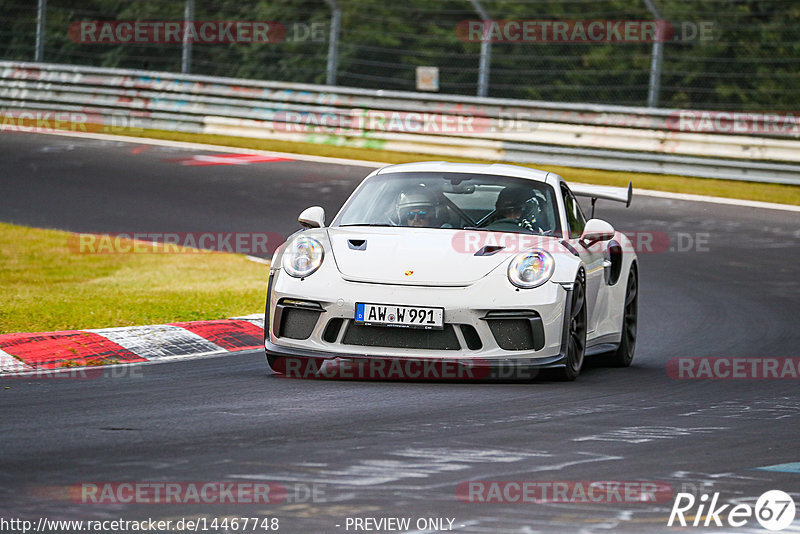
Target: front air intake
[[471, 337], [296, 319], [516, 329], [332, 329], [401, 338]]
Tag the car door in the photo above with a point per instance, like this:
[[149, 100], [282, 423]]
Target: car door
[[591, 255]]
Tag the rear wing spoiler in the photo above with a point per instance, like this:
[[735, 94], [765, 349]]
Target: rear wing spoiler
[[617, 194]]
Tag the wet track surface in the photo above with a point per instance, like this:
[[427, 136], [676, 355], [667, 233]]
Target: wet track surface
[[392, 449]]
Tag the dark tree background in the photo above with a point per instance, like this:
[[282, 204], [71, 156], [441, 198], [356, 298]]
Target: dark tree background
[[751, 62]]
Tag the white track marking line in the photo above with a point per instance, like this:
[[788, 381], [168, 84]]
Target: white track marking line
[[221, 148], [716, 200], [375, 164], [257, 322], [249, 317], [9, 364], [258, 260], [254, 318]]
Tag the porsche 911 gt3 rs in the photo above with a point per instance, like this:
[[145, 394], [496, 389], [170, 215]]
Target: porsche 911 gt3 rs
[[487, 265]]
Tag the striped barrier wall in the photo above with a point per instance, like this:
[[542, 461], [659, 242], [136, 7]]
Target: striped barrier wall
[[581, 135]]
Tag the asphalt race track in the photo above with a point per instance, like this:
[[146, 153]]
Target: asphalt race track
[[728, 288]]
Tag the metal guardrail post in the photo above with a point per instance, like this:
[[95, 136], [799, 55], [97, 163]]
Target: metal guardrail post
[[486, 51], [655, 62], [186, 56], [41, 22], [333, 43]]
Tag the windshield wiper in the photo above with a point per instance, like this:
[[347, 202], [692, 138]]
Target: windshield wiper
[[520, 231], [369, 224]]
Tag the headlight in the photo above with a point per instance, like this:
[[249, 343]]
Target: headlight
[[531, 269], [302, 257]]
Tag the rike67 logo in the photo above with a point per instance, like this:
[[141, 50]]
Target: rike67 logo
[[774, 510]]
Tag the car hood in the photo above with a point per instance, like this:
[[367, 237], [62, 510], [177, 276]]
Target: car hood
[[413, 256]]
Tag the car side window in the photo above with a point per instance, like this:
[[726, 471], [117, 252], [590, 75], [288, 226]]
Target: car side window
[[575, 219]]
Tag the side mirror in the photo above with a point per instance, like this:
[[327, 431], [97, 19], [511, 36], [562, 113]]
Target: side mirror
[[597, 230], [313, 217]]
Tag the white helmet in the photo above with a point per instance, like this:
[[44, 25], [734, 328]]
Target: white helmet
[[417, 198]]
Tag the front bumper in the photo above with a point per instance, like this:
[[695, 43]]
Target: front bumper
[[471, 316], [294, 363]]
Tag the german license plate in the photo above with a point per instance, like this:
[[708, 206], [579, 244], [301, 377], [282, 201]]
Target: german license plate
[[400, 316]]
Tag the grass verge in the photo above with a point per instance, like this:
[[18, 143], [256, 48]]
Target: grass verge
[[778, 193], [47, 286]]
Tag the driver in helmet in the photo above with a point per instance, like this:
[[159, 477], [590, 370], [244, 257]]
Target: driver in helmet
[[511, 207], [417, 208]]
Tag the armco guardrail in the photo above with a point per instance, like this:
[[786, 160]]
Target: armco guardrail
[[581, 135]]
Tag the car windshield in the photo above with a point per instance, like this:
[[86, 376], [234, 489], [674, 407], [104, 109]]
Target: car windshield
[[453, 200]]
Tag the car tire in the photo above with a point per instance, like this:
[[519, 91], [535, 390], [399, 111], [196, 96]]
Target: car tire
[[623, 356], [576, 343]]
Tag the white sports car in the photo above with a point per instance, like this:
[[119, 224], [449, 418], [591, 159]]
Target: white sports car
[[481, 266]]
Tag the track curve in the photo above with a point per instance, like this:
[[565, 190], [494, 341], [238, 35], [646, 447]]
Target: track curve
[[383, 449]]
